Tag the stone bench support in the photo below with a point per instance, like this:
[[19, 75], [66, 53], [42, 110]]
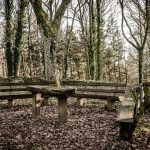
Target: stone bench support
[[125, 119], [46, 100], [110, 104], [10, 103], [62, 109], [36, 103]]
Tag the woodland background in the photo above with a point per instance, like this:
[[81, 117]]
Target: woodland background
[[106, 40]]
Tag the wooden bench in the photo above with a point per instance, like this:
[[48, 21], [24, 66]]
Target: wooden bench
[[17, 90], [128, 115], [20, 90], [72, 91], [95, 90], [111, 92]]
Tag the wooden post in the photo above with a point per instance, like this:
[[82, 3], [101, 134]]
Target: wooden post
[[62, 112], [10, 103], [36, 104]]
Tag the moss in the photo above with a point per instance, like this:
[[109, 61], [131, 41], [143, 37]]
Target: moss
[[134, 96], [144, 127], [8, 37], [147, 97], [42, 19], [19, 35], [33, 79]]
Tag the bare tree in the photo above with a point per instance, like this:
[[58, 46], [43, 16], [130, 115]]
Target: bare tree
[[136, 14], [49, 30]]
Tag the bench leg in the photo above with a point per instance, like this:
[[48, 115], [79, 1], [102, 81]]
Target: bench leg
[[110, 104], [126, 130], [46, 101], [36, 104], [62, 112], [10, 102], [80, 102]]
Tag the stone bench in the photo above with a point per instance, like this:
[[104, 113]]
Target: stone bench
[[125, 119]]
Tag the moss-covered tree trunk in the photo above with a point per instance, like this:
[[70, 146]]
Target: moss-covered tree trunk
[[85, 33], [18, 36], [146, 87], [98, 51], [49, 30], [141, 64], [8, 37], [91, 39]]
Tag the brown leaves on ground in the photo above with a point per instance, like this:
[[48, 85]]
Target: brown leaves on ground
[[88, 128]]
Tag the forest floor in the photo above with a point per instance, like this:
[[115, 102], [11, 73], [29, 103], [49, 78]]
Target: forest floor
[[88, 128]]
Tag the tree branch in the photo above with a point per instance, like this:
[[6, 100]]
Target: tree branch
[[123, 18], [59, 13], [42, 18]]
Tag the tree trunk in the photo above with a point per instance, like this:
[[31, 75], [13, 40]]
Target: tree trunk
[[49, 30], [8, 37], [68, 36], [29, 42], [98, 50], [141, 64], [49, 46], [84, 30], [18, 36], [91, 38]]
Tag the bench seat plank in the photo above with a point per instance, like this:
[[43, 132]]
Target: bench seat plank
[[96, 96], [16, 96], [13, 89], [101, 90], [51, 91]]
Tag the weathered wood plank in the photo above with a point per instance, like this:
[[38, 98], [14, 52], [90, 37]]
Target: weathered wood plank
[[24, 83], [91, 83], [51, 91], [101, 90], [63, 82], [15, 96], [12, 89], [96, 96]]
